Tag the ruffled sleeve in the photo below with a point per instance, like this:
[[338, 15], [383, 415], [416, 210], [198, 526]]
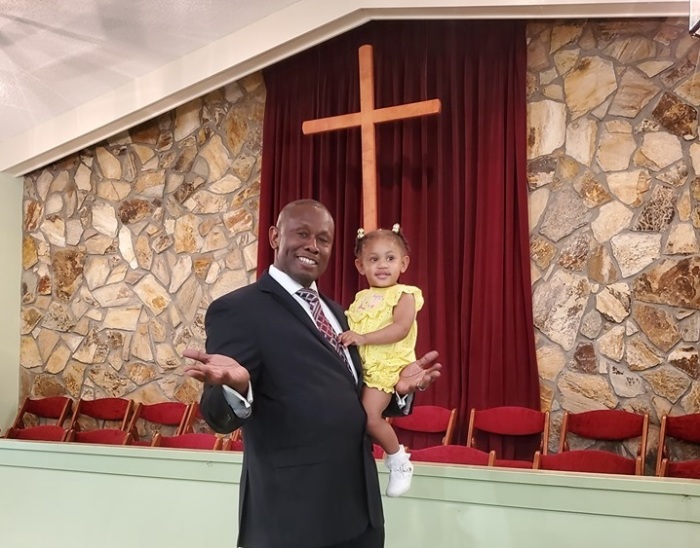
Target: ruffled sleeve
[[377, 304], [394, 294]]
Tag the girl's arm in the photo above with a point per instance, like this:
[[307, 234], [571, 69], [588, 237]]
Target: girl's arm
[[403, 317]]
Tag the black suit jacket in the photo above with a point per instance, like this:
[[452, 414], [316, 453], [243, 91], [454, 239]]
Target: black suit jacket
[[308, 476]]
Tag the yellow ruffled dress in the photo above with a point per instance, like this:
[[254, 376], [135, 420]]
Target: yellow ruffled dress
[[372, 310]]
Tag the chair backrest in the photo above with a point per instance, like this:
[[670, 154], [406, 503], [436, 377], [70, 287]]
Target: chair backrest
[[606, 425], [689, 469], [197, 440], [426, 419], [235, 441], [107, 436], [233, 445], [174, 414], [48, 432], [589, 460], [196, 422], [56, 407], [104, 409], [454, 454], [685, 428], [510, 421]]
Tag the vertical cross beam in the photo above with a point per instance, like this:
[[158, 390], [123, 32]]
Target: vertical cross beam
[[366, 119]]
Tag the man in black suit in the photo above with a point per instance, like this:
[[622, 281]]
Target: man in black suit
[[308, 479]]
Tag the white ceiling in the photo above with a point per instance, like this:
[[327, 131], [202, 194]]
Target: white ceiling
[[77, 71], [54, 56]]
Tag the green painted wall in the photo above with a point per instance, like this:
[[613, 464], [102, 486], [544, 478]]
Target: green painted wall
[[138, 497], [10, 271]]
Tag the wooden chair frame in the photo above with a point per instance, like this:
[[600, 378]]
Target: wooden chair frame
[[492, 458], [228, 441], [662, 453], [191, 417]]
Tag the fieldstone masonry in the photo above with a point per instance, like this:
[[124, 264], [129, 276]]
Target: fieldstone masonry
[[614, 180], [126, 244]]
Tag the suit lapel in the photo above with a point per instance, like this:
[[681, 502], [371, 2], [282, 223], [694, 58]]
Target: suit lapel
[[268, 285]]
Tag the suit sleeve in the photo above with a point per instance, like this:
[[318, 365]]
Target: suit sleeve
[[229, 332]]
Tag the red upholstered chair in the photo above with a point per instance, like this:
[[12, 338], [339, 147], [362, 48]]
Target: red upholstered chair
[[105, 436], [32, 411], [682, 469], [47, 432], [510, 422], [198, 440], [685, 428], [154, 416], [607, 425], [103, 409], [234, 442], [592, 461], [377, 451], [453, 454], [426, 426], [196, 422], [233, 445]]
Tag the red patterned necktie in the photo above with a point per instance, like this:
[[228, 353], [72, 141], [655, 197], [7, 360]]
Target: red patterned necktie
[[324, 326]]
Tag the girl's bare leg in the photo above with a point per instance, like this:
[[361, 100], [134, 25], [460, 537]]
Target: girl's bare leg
[[375, 402]]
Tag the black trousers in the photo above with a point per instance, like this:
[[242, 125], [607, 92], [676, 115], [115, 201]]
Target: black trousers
[[371, 538]]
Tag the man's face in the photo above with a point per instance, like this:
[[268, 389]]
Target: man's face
[[303, 240]]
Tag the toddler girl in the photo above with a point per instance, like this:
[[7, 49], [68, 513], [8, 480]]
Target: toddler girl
[[382, 322]]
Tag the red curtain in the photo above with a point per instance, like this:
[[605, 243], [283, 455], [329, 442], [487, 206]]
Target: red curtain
[[455, 181]]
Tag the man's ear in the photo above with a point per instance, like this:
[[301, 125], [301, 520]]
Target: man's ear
[[360, 268], [274, 237], [405, 260]]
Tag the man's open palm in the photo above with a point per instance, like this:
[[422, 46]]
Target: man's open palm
[[217, 369], [419, 374]]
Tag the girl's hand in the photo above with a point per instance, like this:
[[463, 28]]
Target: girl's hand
[[350, 337]]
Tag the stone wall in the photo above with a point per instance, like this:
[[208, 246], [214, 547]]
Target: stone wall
[[614, 175], [127, 243]]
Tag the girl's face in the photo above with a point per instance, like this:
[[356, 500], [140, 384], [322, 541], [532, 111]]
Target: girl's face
[[382, 261]]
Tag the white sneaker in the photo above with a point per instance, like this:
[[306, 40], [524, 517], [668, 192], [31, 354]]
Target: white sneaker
[[400, 473]]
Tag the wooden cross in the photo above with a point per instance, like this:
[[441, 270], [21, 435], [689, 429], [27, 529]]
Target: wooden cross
[[366, 119]]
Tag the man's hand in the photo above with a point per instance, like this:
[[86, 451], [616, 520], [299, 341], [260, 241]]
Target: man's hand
[[419, 375], [350, 337], [217, 369]]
